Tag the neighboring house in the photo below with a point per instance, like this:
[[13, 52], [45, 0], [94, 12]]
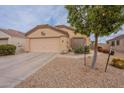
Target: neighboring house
[[117, 43], [45, 38], [9, 36]]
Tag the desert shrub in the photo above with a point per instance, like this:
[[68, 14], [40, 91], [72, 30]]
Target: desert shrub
[[82, 50], [78, 50], [117, 62], [7, 49], [112, 52], [87, 49]]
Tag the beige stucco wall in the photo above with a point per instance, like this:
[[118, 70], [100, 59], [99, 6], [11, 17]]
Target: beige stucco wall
[[4, 35], [118, 47], [13, 40], [27, 43], [48, 33], [17, 41], [72, 35], [121, 47], [50, 42], [64, 44]]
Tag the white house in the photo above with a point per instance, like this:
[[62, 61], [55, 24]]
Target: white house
[[9, 36]]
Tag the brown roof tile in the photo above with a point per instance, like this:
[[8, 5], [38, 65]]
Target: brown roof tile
[[117, 37], [72, 29], [45, 26], [64, 26], [13, 33]]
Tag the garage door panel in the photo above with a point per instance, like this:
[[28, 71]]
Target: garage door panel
[[77, 42], [3, 41], [45, 45]]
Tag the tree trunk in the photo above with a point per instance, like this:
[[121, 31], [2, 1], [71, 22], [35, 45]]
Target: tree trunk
[[95, 51]]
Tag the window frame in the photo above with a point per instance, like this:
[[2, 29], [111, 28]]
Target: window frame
[[113, 43], [117, 42]]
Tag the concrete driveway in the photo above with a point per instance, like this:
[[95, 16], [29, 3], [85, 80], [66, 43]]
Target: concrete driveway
[[14, 69]]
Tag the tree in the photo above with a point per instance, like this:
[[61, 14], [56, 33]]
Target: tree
[[98, 20]]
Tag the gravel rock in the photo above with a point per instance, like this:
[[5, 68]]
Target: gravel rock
[[71, 73]]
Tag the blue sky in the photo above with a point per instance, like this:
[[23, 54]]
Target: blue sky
[[24, 18]]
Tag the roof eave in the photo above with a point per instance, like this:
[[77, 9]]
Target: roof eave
[[45, 26]]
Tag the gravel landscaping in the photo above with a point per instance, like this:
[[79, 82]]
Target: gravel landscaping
[[71, 72]]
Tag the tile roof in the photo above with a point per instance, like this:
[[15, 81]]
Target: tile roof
[[72, 29], [117, 37], [13, 33], [64, 26], [45, 26]]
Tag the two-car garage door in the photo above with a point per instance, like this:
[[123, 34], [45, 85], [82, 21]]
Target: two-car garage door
[[45, 45]]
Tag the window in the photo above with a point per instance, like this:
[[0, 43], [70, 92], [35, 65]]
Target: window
[[43, 33], [113, 43], [118, 42], [62, 41], [107, 42]]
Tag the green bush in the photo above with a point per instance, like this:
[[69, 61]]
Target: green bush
[[82, 50], [117, 62], [7, 49]]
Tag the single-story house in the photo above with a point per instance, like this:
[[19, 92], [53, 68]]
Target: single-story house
[[117, 43], [46, 38], [9, 36]]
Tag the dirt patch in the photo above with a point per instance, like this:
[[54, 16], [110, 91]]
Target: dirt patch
[[69, 72]]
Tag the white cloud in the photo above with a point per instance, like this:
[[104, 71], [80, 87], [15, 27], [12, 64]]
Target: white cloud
[[26, 17]]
